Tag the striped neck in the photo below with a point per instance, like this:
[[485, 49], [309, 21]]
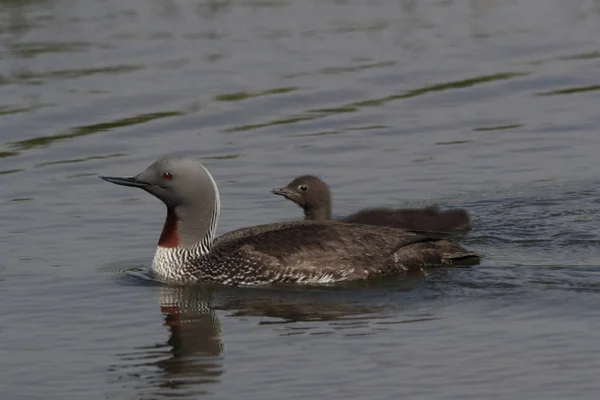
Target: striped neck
[[188, 234]]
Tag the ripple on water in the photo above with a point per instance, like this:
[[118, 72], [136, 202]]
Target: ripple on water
[[393, 103]]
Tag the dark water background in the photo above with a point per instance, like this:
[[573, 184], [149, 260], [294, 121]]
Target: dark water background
[[490, 105]]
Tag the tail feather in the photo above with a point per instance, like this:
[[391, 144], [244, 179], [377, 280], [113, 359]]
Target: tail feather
[[454, 254], [465, 258], [435, 252]]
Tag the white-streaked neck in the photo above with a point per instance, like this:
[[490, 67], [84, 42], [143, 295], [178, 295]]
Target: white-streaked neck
[[188, 235]]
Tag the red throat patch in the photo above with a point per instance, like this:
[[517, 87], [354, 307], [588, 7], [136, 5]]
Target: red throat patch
[[169, 237]]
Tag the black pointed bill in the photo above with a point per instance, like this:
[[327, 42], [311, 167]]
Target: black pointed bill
[[125, 181], [281, 192], [285, 192]]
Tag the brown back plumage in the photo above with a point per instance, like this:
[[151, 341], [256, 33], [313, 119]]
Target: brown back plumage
[[342, 251]]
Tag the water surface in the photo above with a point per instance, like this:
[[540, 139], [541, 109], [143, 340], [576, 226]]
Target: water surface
[[487, 105]]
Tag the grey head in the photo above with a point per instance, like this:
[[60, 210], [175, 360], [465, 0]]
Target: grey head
[[190, 194], [310, 193]]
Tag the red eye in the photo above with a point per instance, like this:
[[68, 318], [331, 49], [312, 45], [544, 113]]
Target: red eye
[[167, 176]]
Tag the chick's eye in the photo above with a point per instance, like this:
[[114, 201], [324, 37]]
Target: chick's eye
[[167, 176], [303, 188]]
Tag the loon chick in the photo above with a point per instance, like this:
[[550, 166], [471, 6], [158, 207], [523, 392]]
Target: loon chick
[[312, 194], [289, 252]]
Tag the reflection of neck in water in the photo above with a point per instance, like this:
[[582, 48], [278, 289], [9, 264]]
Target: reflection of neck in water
[[191, 356], [194, 327]]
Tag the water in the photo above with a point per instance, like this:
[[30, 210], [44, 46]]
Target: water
[[487, 105]]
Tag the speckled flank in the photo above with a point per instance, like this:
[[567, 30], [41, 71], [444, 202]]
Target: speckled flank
[[316, 252]]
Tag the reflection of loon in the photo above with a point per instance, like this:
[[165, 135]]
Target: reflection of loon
[[290, 307], [363, 300], [191, 356], [190, 362]]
